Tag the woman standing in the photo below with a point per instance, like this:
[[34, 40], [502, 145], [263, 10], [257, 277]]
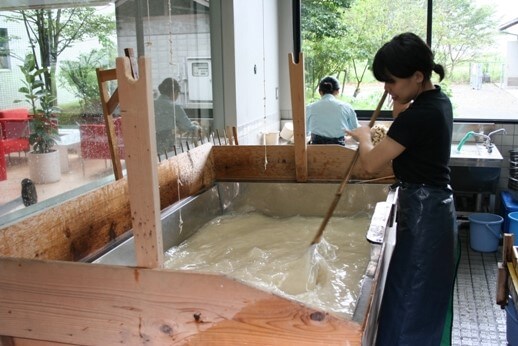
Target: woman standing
[[421, 272], [328, 118]]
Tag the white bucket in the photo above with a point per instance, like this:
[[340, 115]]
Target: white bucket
[[271, 138], [287, 131]]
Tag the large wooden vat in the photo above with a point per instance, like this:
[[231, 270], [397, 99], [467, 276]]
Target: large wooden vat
[[48, 293]]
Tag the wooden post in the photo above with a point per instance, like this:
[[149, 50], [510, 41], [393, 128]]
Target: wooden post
[[138, 128], [298, 109]]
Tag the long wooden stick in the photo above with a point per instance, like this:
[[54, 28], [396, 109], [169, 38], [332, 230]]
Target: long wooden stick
[[341, 188]]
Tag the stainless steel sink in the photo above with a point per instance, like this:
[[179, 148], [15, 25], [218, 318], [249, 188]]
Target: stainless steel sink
[[475, 170], [475, 155]]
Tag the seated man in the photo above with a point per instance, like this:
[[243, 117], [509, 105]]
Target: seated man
[[329, 118]]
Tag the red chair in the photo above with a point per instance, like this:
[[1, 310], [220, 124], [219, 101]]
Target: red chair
[[14, 130], [94, 140], [14, 135], [3, 166]]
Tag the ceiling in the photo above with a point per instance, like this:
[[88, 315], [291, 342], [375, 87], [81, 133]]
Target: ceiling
[[11, 5]]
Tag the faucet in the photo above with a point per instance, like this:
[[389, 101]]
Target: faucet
[[487, 139], [496, 131]]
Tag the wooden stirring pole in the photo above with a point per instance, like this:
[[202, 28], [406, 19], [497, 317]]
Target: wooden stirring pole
[[341, 188]]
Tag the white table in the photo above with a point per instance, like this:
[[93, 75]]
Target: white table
[[68, 139]]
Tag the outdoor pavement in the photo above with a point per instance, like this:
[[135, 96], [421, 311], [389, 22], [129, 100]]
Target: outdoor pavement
[[488, 102]]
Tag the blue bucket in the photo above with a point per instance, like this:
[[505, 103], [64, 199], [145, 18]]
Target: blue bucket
[[513, 225], [485, 231], [511, 323]]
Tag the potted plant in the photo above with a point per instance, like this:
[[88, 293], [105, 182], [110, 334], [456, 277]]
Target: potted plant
[[44, 164]]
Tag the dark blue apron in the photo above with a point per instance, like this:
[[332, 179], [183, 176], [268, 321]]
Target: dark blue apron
[[421, 273]]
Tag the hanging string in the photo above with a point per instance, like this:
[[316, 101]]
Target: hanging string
[[264, 99], [176, 168], [169, 9], [148, 43]]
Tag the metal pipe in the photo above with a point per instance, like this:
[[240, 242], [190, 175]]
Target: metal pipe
[[296, 30], [429, 23]]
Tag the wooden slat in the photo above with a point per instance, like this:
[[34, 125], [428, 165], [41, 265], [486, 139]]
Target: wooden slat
[[326, 163], [138, 129], [91, 304], [128, 52], [234, 134], [112, 102], [514, 257], [229, 135], [512, 282], [109, 103], [501, 285], [107, 75]]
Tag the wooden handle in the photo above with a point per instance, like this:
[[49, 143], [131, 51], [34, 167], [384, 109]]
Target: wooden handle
[[341, 188]]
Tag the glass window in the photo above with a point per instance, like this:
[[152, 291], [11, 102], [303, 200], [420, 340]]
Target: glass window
[[59, 73], [474, 40]]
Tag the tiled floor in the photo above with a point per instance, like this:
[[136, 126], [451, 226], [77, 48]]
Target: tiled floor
[[478, 320]]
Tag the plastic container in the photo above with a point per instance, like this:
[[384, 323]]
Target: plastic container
[[271, 138], [508, 205], [485, 231], [287, 131], [513, 225], [511, 323]]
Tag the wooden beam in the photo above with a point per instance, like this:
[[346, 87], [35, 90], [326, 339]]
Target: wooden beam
[[138, 128], [326, 163], [298, 110], [91, 304], [501, 285]]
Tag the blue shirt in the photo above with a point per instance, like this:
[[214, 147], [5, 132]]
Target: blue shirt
[[329, 117]]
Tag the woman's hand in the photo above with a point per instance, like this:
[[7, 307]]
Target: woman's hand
[[361, 134]]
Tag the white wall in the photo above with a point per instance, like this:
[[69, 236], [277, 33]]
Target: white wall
[[11, 78], [512, 64], [249, 32], [285, 47], [168, 45]]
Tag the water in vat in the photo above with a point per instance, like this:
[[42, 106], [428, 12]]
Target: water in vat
[[273, 254]]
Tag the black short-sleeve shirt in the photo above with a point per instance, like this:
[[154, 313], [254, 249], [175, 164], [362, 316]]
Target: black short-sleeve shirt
[[425, 130]]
